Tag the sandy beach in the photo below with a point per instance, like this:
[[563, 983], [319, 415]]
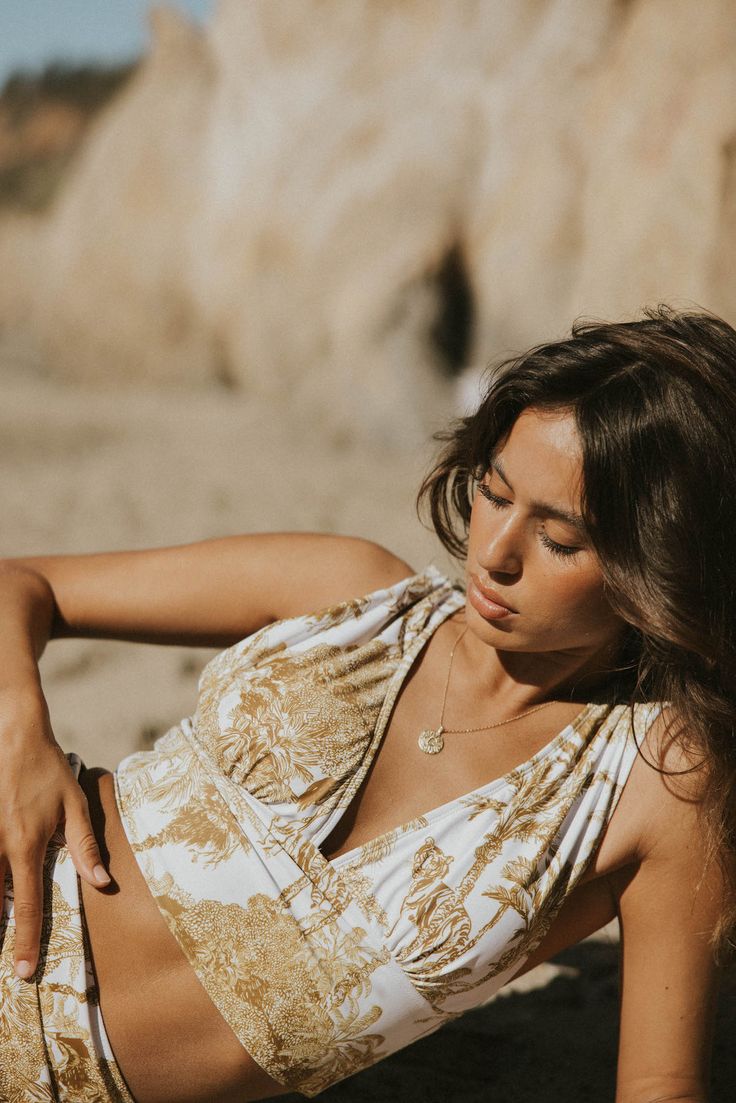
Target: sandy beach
[[85, 471], [248, 275]]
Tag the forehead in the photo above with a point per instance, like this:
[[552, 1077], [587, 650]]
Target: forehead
[[542, 454]]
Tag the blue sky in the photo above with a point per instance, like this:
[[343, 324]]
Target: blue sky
[[35, 32]]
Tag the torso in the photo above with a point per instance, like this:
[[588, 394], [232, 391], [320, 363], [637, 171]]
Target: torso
[[151, 1001]]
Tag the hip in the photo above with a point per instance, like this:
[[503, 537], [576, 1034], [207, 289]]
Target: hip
[[170, 1041], [52, 1038]]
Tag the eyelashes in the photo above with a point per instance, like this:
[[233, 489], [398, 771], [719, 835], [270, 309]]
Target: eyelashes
[[561, 550], [557, 549], [499, 503]]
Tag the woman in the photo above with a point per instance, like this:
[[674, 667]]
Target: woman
[[395, 796]]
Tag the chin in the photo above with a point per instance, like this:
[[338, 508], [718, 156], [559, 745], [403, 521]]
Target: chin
[[493, 628]]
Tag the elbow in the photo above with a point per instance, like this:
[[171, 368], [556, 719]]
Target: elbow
[[683, 1089], [661, 1095], [20, 581]]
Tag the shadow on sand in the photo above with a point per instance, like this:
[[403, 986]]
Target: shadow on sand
[[555, 1044]]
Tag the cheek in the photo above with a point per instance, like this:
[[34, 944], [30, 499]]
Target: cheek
[[583, 597], [474, 523]]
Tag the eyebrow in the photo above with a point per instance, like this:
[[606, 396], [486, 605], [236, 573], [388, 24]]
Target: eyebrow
[[565, 515]]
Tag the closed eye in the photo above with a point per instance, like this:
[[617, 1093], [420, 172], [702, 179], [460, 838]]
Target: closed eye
[[494, 499], [564, 551]]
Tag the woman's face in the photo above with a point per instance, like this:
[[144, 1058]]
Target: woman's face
[[527, 546]]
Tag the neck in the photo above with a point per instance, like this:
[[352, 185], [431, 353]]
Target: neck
[[523, 679]]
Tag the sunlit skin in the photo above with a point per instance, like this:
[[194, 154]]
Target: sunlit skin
[[170, 1040], [563, 635]]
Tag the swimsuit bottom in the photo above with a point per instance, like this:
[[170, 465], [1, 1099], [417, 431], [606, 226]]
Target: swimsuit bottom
[[53, 1045]]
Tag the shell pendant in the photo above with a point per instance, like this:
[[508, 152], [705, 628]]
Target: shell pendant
[[431, 741]]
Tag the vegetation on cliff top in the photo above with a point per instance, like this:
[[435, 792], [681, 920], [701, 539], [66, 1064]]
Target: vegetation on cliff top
[[43, 118]]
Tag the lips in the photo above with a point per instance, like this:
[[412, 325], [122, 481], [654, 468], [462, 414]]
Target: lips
[[488, 602]]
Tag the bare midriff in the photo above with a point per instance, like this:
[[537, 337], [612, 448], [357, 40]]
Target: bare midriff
[[169, 1040]]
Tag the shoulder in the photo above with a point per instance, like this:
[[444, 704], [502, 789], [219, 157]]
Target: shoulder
[[319, 570], [678, 870], [670, 783], [676, 888]]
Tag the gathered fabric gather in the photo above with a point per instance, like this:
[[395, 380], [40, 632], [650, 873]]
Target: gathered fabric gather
[[321, 968]]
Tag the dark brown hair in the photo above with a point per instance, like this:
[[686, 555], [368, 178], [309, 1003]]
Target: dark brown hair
[[655, 406]]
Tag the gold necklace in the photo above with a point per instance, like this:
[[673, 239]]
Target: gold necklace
[[431, 740]]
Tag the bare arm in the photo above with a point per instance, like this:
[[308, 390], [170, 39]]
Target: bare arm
[[37, 788], [210, 593], [669, 982]]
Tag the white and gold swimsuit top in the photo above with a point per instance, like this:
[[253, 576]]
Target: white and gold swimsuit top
[[323, 967]]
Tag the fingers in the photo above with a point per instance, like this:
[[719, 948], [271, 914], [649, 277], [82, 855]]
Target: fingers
[[27, 876], [82, 844], [28, 909]]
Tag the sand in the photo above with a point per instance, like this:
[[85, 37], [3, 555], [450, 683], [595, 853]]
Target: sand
[[91, 471], [86, 470]]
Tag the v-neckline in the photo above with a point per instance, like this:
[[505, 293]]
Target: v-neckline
[[454, 600], [431, 817]]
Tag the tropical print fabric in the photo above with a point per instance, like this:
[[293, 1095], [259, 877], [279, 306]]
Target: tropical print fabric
[[53, 1046], [320, 967]]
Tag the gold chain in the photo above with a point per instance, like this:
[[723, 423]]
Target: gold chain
[[431, 740]]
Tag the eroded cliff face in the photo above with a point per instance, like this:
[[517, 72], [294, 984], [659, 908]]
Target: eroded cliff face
[[342, 206]]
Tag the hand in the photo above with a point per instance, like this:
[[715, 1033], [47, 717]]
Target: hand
[[38, 794]]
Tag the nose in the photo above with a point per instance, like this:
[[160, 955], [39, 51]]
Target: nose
[[501, 552]]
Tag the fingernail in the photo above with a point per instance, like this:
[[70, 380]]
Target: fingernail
[[24, 969], [100, 876]]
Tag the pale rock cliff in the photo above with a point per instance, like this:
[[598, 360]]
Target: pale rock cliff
[[339, 206]]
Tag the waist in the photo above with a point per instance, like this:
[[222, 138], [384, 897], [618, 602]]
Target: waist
[[289, 955], [151, 1001]]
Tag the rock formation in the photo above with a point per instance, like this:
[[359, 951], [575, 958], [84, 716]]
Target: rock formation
[[342, 206]]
